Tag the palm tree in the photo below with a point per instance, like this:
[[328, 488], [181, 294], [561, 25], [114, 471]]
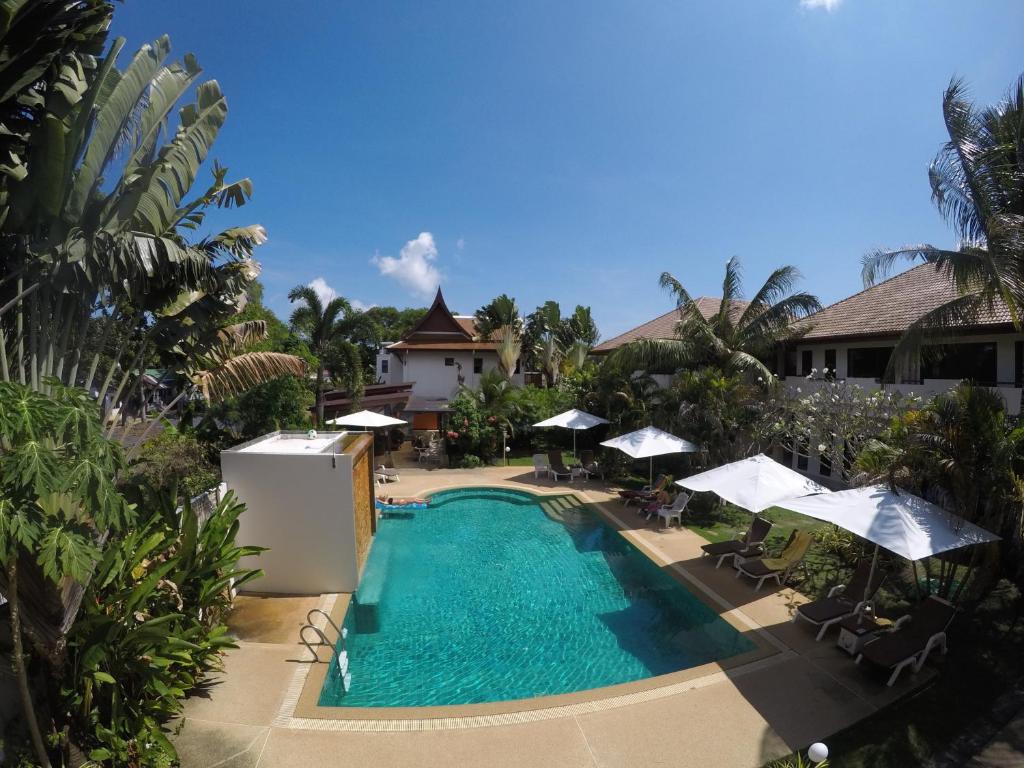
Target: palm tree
[[737, 338], [977, 182], [509, 349], [319, 326]]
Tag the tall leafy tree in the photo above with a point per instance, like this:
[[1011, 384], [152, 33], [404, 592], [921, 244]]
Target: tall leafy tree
[[96, 213], [320, 326], [98, 222], [977, 182], [738, 338], [502, 311]]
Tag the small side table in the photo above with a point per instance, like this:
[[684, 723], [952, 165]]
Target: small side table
[[855, 631]]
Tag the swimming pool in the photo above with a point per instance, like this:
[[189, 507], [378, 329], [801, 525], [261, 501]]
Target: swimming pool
[[492, 594]]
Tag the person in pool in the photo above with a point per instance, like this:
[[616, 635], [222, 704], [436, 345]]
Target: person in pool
[[396, 501]]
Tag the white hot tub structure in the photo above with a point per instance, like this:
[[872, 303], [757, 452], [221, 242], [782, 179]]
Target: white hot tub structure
[[310, 501]]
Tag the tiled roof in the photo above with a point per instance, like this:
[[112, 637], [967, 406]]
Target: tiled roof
[[664, 326], [888, 308]]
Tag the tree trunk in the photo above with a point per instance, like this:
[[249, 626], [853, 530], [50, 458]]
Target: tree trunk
[[320, 396], [20, 671]]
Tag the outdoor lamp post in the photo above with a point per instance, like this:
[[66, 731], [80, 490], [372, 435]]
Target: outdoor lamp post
[[817, 753]]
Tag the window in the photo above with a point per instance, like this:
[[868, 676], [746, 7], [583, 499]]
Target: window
[[824, 464], [830, 363], [478, 365], [867, 362], [806, 362], [384, 365], [976, 362], [789, 363], [787, 458], [449, 361], [801, 457]]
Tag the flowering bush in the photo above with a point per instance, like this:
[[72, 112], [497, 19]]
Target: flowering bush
[[835, 418]]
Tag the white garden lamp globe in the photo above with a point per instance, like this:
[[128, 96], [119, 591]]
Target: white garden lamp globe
[[817, 752]]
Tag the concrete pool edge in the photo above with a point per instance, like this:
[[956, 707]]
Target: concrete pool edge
[[301, 710]]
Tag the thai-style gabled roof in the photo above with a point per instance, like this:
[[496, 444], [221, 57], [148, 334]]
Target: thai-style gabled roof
[[664, 326], [888, 308], [439, 329]]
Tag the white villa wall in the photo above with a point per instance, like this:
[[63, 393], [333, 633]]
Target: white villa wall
[[928, 388], [433, 378], [302, 508]]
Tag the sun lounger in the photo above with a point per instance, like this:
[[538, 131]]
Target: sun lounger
[[843, 599], [647, 493], [779, 568], [751, 545], [386, 474], [674, 511], [912, 638], [589, 465], [556, 467], [540, 465]]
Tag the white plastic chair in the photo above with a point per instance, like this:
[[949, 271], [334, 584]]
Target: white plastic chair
[[541, 466], [674, 511]]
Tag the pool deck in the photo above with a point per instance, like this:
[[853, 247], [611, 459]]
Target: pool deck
[[796, 691]]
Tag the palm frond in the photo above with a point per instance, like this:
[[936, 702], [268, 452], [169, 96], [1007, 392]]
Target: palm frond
[[241, 372]]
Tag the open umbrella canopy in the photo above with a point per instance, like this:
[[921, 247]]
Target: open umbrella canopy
[[649, 441], [573, 419], [754, 484], [902, 523], [366, 420]]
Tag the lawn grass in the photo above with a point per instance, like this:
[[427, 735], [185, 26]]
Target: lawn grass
[[526, 460]]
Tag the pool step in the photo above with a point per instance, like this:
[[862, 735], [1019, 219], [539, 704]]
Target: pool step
[[561, 509], [366, 600]]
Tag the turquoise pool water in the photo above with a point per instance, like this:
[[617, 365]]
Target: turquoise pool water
[[490, 595]]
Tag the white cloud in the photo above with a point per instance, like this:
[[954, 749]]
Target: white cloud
[[323, 290], [326, 293], [828, 5], [414, 268], [460, 243]]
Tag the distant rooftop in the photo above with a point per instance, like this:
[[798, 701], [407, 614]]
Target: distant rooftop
[[890, 307], [664, 326]]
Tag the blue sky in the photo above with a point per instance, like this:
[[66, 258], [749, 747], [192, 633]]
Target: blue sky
[[575, 150]]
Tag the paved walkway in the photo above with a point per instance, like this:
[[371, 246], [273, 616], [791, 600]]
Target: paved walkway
[[741, 717]]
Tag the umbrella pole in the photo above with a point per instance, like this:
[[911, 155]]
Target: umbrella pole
[[650, 471], [574, 444], [871, 578]]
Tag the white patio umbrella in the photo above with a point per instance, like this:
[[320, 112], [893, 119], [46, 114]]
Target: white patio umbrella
[[648, 443], [903, 523], [368, 420], [753, 484], [573, 420]]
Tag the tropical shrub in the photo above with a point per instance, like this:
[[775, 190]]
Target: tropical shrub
[[282, 403], [176, 459], [471, 431], [151, 628], [57, 500], [962, 452]]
